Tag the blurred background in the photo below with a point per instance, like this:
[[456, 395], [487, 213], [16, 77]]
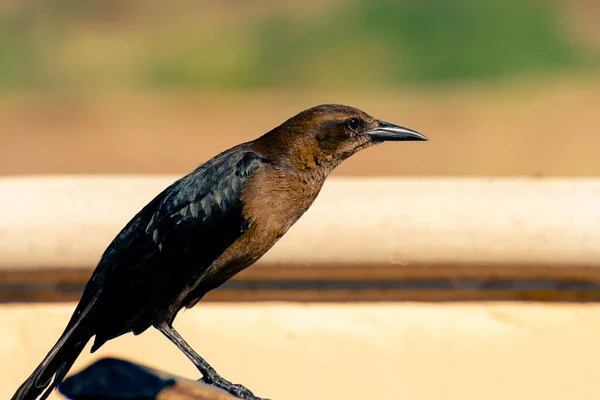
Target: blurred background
[[501, 88]]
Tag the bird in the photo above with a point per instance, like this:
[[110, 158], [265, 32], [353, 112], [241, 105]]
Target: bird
[[203, 229]]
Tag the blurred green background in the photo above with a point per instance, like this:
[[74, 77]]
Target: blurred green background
[[240, 45], [212, 73]]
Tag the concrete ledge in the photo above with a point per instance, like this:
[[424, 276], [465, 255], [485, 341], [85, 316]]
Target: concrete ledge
[[492, 351], [66, 222]]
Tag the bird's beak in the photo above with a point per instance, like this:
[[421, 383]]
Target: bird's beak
[[390, 132]]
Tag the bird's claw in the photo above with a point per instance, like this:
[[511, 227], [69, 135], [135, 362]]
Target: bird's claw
[[237, 390], [242, 392]]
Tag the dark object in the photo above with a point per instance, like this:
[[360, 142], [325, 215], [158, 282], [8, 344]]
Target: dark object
[[112, 378], [205, 228], [115, 379]]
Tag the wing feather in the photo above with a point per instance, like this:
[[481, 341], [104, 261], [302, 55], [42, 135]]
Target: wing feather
[[171, 240]]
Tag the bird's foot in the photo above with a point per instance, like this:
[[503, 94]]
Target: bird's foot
[[235, 389]]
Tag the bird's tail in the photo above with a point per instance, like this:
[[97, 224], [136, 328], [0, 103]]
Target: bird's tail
[[59, 359]]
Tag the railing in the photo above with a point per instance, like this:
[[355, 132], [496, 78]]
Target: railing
[[363, 239]]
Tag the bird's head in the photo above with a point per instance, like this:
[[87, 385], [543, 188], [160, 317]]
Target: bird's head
[[321, 137]]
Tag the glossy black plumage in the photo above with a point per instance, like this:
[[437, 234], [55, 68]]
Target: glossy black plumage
[[171, 243]]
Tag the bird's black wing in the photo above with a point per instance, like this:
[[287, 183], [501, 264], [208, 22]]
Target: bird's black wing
[[171, 241]]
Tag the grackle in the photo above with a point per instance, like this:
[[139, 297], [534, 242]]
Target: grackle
[[205, 228]]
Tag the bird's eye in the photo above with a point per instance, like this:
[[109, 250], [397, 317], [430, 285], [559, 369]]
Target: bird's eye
[[353, 123]]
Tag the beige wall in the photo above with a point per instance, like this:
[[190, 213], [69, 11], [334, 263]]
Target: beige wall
[[353, 351]]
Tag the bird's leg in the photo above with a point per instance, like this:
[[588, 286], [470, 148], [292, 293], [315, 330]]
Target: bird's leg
[[209, 375], [204, 367]]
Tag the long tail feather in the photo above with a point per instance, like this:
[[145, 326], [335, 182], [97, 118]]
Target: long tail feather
[[59, 359]]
